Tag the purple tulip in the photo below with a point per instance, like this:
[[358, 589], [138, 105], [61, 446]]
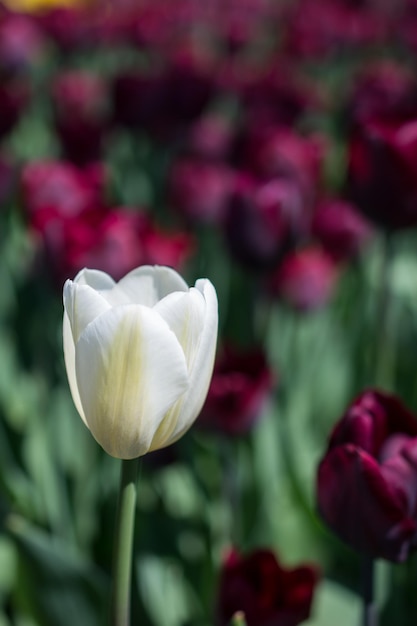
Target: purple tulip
[[367, 480]]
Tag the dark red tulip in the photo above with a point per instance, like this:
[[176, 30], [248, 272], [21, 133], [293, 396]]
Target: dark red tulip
[[210, 137], [340, 228], [240, 388], [382, 145], [200, 190], [114, 240], [367, 480], [79, 100], [383, 90], [263, 219], [267, 593], [321, 28], [382, 171], [21, 43], [305, 279], [62, 186], [13, 98]]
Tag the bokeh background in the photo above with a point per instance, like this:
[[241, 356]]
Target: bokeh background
[[270, 146]]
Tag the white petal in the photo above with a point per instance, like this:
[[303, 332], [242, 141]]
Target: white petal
[[130, 370], [97, 279], [69, 357], [82, 304], [199, 341], [150, 283]]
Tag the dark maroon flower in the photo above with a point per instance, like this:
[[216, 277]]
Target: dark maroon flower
[[62, 186], [383, 90], [189, 85], [263, 220], [210, 137], [241, 385], [114, 240], [267, 593], [165, 99], [68, 27], [319, 28], [277, 151], [139, 100], [79, 100], [305, 279], [382, 145], [367, 480], [340, 228], [200, 190], [13, 98], [382, 171], [276, 95], [21, 43]]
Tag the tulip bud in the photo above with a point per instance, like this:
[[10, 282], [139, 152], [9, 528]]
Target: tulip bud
[[240, 389], [268, 594], [367, 480], [139, 355]]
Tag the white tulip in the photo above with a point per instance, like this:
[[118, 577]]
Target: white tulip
[[139, 355]]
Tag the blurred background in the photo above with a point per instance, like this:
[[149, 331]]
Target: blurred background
[[270, 146]]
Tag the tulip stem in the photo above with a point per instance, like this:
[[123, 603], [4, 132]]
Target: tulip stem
[[123, 544], [370, 616]]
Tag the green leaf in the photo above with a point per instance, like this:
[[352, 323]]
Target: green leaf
[[334, 604], [167, 596], [57, 586]]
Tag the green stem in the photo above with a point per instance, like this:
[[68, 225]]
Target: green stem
[[123, 544], [370, 616]]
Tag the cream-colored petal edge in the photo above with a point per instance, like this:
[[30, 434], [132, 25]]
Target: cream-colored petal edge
[[82, 304], [69, 358], [187, 408]]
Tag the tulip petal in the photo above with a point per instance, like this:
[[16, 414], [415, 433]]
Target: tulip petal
[[96, 279], [196, 329], [130, 370], [149, 284], [69, 358], [82, 304], [362, 506]]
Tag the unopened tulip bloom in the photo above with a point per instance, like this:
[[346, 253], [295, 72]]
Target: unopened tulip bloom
[[139, 355], [367, 479]]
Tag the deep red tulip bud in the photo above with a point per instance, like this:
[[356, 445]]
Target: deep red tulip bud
[[210, 137], [305, 279], [21, 43], [385, 90], [340, 228], [367, 480], [240, 388], [382, 146], [267, 593], [13, 98], [263, 219], [61, 186], [200, 190], [79, 100], [382, 171], [320, 28]]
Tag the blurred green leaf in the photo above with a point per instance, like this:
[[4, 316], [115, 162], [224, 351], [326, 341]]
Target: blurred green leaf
[[166, 594], [56, 585], [334, 604]]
